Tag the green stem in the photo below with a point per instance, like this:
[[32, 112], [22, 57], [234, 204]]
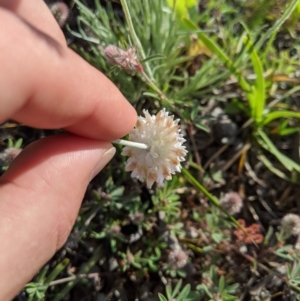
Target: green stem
[[153, 86], [214, 200], [162, 95], [135, 37], [84, 270], [57, 270], [293, 286]]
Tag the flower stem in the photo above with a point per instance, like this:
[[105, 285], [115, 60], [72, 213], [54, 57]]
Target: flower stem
[[131, 143], [135, 37], [153, 86], [161, 95], [215, 201]]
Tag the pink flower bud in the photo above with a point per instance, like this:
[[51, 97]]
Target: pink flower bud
[[177, 258], [231, 202], [126, 59], [291, 224]]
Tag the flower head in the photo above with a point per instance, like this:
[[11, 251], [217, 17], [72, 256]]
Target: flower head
[[9, 154], [291, 224], [60, 12], [165, 150], [231, 202], [177, 258], [126, 59]]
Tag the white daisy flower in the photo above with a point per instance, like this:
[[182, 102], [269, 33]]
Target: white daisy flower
[[164, 150]]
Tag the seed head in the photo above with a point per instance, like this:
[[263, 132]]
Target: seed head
[[291, 224], [177, 258], [165, 150], [60, 11], [231, 202], [126, 59], [9, 154]]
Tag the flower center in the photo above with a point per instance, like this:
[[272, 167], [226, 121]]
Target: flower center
[[156, 147]]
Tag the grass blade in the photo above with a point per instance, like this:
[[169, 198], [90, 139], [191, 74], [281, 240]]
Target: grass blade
[[279, 114], [214, 48], [214, 200], [272, 32], [268, 145], [258, 94], [271, 167]]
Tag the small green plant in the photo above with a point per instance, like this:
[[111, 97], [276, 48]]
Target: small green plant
[[179, 293], [17, 144], [37, 290], [149, 261], [217, 289]]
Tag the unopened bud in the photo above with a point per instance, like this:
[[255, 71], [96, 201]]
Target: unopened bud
[[126, 59]]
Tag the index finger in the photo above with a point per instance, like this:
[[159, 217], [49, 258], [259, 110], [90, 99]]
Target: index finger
[[44, 84]]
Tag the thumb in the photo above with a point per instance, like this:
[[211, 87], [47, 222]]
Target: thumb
[[40, 197]]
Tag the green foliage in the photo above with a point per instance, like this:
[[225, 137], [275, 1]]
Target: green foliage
[[182, 7], [255, 92], [16, 144], [37, 290], [179, 293], [164, 45], [219, 290], [293, 273]]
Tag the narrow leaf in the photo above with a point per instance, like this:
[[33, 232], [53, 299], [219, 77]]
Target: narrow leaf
[[267, 144], [177, 288], [259, 96], [162, 297], [57, 270], [280, 114], [214, 48]]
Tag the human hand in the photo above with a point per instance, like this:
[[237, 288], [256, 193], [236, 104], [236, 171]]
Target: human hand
[[44, 84]]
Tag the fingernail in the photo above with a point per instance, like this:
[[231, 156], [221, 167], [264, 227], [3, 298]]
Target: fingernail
[[105, 158]]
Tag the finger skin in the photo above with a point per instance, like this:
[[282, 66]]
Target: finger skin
[[49, 86], [37, 14], [40, 197]]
